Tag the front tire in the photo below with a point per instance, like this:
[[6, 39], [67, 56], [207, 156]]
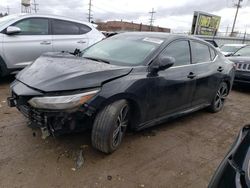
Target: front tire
[[110, 126], [220, 97]]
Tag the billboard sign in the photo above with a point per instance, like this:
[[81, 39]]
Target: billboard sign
[[205, 24]]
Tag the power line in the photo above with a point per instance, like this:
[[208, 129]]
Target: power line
[[90, 16], [238, 5], [151, 20]]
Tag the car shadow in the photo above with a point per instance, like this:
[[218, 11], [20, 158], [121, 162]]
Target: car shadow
[[245, 88], [7, 79], [74, 142]]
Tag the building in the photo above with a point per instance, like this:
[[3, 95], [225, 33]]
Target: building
[[128, 26]]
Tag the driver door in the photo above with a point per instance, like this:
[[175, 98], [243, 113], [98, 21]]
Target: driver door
[[171, 90], [23, 48]]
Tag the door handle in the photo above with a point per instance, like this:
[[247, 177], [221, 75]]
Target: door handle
[[220, 69], [191, 75], [81, 41], [45, 43]]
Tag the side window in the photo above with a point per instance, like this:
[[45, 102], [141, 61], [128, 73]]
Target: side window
[[84, 29], [212, 53], [60, 27], [200, 52], [33, 26], [180, 51]]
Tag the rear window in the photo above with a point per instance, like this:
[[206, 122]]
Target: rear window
[[61, 27], [84, 28], [200, 52]]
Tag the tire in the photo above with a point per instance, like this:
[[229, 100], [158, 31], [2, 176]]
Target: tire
[[110, 126], [219, 99]]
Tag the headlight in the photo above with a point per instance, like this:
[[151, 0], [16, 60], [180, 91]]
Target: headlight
[[62, 102]]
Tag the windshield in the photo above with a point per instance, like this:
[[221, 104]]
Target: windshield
[[123, 49], [4, 20], [230, 48], [243, 51]]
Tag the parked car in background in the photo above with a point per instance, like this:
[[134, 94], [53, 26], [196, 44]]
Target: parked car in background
[[241, 58], [131, 80], [229, 49], [234, 170], [24, 37]]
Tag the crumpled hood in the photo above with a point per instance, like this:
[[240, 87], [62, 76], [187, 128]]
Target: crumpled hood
[[63, 71]]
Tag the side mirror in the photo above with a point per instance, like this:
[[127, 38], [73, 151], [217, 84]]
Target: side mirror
[[228, 55], [161, 63], [12, 30]]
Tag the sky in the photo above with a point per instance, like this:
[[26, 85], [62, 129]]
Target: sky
[[174, 14]]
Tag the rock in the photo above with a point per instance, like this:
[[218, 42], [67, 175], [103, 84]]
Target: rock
[[73, 169], [109, 177], [80, 160]]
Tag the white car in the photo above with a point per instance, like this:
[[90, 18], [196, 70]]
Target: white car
[[229, 49], [24, 37]]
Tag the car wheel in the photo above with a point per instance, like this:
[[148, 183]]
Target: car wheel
[[220, 97], [110, 126]]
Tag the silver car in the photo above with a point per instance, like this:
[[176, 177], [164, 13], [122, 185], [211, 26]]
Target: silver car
[[24, 37]]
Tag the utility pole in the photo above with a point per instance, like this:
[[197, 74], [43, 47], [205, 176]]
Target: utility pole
[[90, 10], [35, 6], [8, 10], [151, 20], [236, 14]]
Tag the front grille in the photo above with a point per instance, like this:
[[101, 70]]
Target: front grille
[[33, 115], [243, 67]]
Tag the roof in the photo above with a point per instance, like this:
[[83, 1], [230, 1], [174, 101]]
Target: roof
[[23, 15], [162, 35]]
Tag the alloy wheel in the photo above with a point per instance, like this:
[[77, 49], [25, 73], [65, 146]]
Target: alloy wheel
[[121, 125], [221, 96]]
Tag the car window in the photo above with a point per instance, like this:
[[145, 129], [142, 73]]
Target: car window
[[33, 26], [213, 53], [60, 27], [231, 49], [243, 51], [124, 50], [180, 51], [84, 29], [200, 52]]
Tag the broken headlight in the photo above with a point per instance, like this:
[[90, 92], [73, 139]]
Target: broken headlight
[[62, 102]]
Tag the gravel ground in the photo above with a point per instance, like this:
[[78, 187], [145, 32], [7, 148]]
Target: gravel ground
[[181, 153]]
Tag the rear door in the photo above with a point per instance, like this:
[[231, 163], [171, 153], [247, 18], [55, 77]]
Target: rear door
[[171, 90], [206, 71], [67, 36], [33, 40]]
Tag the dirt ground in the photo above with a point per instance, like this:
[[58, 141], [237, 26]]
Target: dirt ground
[[181, 153]]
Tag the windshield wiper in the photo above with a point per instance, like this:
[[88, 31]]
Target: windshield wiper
[[97, 59]]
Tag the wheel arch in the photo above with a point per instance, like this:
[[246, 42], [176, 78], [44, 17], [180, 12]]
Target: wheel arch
[[3, 68], [135, 109]]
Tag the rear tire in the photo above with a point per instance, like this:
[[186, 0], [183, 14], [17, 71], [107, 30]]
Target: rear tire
[[110, 126], [219, 99]]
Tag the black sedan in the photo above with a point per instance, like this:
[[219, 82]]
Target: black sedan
[[241, 58], [131, 80]]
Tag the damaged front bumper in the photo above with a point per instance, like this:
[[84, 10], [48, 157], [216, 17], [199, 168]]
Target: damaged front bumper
[[51, 122]]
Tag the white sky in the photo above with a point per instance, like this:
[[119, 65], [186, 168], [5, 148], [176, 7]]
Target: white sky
[[176, 14]]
